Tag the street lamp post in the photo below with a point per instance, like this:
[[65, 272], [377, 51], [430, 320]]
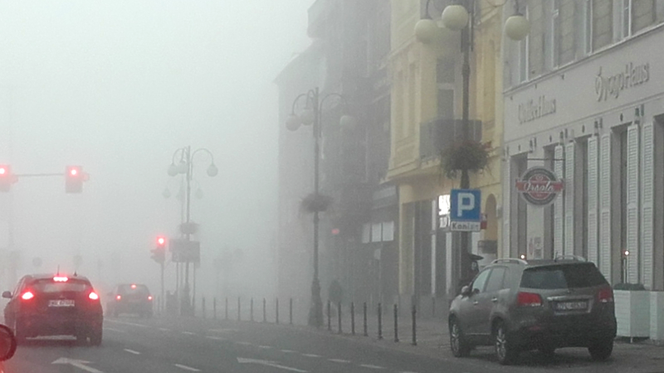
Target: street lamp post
[[185, 167], [459, 17], [312, 115]]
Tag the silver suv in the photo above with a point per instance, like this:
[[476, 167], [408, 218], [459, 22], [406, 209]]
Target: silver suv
[[517, 305]]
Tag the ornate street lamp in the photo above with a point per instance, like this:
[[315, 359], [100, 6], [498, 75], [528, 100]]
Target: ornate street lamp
[[312, 114]]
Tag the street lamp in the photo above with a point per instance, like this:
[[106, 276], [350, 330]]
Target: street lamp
[[185, 166], [312, 115], [459, 17]]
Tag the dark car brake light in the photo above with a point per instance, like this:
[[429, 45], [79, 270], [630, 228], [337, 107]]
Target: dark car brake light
[[605, 295], [27, 295], [524, 299], [118, 297], [93, 296]]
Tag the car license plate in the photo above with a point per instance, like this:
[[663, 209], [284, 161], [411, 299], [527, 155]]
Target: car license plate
[[571, 306], [61, 303]]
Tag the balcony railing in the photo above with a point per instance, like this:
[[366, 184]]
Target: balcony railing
[[439, 134]]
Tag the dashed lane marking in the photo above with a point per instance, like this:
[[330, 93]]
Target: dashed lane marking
[[188, 333], [184, 367], [342, 361], [215, 338], [132, 351], [265, 347], [371, 366], [288, 351], [311, 355]]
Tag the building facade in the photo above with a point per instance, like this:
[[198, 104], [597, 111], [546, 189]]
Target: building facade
[[584, 99]]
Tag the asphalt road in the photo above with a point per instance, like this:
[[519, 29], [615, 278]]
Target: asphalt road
[[165, 346]]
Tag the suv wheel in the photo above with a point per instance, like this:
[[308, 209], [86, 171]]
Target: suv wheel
[[460, 347], [505, 351], [601, 350]]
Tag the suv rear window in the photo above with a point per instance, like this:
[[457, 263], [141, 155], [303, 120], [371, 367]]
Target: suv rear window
[[138, 289], [49, 286], [567, 276]]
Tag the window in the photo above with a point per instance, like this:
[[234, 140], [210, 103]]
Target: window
[[480, 281], [567, 276], [523, 54], [584, 29], [623, 20], [496, 280], [602, 24], [552, 38]]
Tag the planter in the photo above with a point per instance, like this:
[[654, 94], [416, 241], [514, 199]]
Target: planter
[[657, 316], [632, 313]]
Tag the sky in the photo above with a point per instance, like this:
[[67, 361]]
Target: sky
[[118, 87]]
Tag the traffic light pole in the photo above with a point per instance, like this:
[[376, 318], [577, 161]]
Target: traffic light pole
[[163, 300]]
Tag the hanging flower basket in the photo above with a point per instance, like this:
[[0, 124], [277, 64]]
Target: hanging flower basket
[[316, 203], [471, 156]]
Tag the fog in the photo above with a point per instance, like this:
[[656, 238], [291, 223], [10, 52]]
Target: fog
[[117, 87]]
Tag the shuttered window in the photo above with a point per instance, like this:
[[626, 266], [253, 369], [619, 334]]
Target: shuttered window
[[593, 253], [558, 228], [569, 204], [632, 219], [605, 205], [647, 201]]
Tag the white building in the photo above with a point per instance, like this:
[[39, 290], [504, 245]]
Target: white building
[[585, 98]]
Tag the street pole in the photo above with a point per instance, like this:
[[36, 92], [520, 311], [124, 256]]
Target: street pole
[[163, 299], [188, 217], [316, 311]]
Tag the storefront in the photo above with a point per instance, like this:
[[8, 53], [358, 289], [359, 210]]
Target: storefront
[[598, 125]]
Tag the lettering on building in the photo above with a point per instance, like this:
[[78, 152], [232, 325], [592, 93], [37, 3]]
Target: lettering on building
[[535, 109], [610, 86]]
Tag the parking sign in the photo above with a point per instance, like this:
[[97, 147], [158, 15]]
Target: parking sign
[[465, 205]]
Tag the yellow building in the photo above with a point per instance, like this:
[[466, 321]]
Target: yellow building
[[425, 119]]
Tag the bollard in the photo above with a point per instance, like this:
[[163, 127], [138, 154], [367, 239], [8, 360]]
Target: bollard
[[264, 311], [396, 323], [276, 318], [380, 321], [329, 317], [290, 311], [226, 310], [214, 308], [203, 307], [352, 318], [339, 316], [364, 312], [239, 317], [251, 310], [414, 312]]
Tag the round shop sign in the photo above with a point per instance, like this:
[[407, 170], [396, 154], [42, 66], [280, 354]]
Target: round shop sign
[[539, 186]]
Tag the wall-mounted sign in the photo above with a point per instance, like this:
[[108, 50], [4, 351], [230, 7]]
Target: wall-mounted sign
[[539, 186], [535, 109], [613, 84]]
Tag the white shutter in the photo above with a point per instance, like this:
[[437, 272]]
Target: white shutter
[[633, 203], [558, 205], [508, 186], [647, 201], [568, 193], [605, 205], [593, 254]]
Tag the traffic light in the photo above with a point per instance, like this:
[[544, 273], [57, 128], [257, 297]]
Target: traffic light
[[74, 178], [159, 252], [6, 178]]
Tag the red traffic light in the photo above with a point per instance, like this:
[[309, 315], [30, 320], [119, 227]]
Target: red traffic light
[[161, 241], [6, 178], [3, 170], [74, 178]]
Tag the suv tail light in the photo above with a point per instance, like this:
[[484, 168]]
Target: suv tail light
[[149, 297], [27, 295], [93, 296], [528, 299], [118, 297], [605, 295]]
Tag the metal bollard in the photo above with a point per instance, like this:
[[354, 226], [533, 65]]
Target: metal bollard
[[329, 317], [276, 318], [414, 312], [290, 311], [380, 321], [226, 310], [264, 311], [352, 318], [251, 309], [339, 316], [364, 312], [203, 307], [214, 308], [239, 309], [396, 323]]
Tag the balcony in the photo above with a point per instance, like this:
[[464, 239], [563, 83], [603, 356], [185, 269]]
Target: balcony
[[439, 134]]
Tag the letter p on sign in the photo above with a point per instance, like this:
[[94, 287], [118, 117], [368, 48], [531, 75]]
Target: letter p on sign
[[465, 205]]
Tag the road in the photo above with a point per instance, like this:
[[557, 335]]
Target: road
[[194, 345]]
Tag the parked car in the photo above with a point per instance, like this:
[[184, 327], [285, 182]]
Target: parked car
[[518, 305], [7, 345], [48, 305], [130, 298]]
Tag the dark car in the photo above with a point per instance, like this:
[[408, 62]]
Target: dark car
[[519, 305], [48, 305], [130, 298]]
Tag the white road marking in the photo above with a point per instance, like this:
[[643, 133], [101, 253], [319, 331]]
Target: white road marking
[[265, 347], [187, 368], [80, 364], [371, 366], [339, 361], [311, 355], [132, 351], [115, 330], [128, 323], [215, 338], [288, 351], [223, 330], [188, 333]]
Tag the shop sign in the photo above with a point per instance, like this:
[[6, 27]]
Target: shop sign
[[611, 85], [539, 186], [535, 109]]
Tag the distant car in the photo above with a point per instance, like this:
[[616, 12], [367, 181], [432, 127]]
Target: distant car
[[130, 298], [48, 305], [519, 305]]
